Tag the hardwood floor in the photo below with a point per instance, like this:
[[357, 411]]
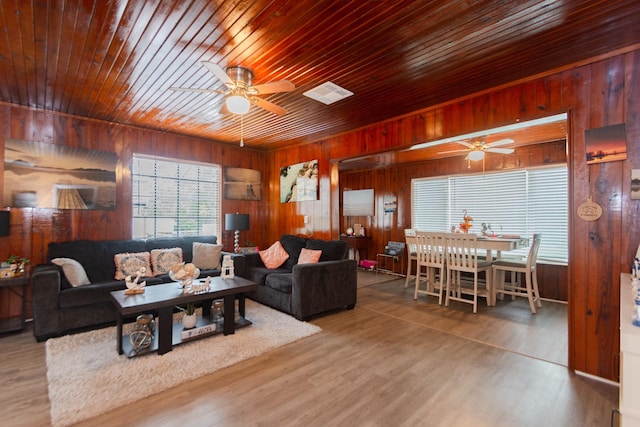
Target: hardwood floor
[[389, 362]]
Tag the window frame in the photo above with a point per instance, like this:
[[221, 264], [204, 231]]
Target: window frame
[[186, 187]]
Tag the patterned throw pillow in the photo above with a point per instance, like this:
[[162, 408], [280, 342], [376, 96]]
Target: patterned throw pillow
[[163, 259], [73, 271], [206, 256], [275, 256], [309, 256], [128, 264]]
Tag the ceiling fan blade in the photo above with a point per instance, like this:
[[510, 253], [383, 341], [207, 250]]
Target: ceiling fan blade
[[193, 89], [218, 72], [500, 142], [273, 87], [465, 143], [500, 150], [269, 106]]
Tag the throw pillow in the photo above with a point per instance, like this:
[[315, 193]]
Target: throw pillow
[[128, 264], [309, 256], [275, 256], [206, 256], [163, 259], [73, 271]]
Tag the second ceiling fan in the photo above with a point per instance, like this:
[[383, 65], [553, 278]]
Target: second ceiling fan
[[476, 149], [240, 94]]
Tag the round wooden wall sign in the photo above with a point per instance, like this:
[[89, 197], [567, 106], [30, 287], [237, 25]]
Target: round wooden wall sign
[[589, 210]]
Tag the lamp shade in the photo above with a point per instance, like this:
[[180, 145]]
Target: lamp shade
[[4, 223], [236, 221]]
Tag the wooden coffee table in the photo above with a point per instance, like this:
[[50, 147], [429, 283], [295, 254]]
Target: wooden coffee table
[[163, 298]]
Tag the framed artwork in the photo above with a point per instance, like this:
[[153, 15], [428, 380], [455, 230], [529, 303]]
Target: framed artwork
[[635, 184], [43, 175], [242, 184], [390, 203], [299, 182], [606, 144]]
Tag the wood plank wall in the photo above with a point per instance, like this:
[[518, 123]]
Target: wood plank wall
[[602, 93], [396, 181], [595, 95], [33, 229]]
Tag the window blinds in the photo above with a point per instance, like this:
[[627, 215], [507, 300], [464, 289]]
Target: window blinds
[[519, 202]]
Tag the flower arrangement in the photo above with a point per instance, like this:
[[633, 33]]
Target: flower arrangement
[[467, 224]]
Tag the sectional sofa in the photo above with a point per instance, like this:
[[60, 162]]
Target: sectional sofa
[[60, 307]]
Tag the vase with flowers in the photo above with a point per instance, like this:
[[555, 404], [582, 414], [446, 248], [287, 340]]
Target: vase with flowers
[[468, 222]]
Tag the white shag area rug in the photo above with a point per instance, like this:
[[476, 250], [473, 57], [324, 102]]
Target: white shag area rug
[[86, 376]]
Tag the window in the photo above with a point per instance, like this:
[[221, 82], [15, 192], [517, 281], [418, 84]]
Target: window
[[519, 202], [174, 198]]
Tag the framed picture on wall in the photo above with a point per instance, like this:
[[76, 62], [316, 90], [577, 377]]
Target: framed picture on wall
[[44, 175], [606, 144], [242, 184], [299, 182]]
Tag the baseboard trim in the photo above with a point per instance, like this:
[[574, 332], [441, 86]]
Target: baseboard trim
[[597, 378]]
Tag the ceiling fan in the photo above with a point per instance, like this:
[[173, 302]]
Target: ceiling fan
[[240, 94], [476, 149]]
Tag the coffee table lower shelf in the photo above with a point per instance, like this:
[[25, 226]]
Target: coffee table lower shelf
[[177, 338]]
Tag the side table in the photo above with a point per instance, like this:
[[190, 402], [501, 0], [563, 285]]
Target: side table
[[15, 323]]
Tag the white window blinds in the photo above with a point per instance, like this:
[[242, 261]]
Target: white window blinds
[[519, 202], [174, 198]]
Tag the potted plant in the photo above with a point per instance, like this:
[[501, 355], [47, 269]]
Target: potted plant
[[17, 264], [189, 317]]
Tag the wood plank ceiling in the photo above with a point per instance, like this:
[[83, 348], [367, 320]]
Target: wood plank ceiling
[[116, 60]]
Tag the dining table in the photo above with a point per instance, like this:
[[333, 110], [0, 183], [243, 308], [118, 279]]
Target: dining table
[[501, 244]]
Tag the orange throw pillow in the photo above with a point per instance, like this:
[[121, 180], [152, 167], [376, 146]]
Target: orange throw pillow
[[275, 256], [309, 256]]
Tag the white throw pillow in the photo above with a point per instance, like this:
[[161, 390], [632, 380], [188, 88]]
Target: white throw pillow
[[206, 256], [162, 260], [73, 271]]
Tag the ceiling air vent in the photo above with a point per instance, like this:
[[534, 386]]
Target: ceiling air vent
[[328, 93]]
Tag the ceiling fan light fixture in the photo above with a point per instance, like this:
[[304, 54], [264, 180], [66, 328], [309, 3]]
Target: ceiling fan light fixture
[[238, 104], [476, 155]]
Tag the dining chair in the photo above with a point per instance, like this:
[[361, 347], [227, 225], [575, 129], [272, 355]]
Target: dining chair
[[409, 236], [462, 257], [516, 288], [430, 248]]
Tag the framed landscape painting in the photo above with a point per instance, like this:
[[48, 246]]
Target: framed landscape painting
[[43, 175]]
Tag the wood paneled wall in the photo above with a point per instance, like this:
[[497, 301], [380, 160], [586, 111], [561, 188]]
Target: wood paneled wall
[[33, 229], [595, 95], [396, 181], [598, 94]]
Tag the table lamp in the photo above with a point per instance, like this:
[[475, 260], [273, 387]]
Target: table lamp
[[237, 222]]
